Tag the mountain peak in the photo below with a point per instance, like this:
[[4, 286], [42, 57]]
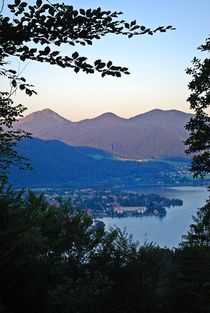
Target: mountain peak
[[160, 115], [47, 111], [44, 115], [155, 134], [45, 121], [108, 116]]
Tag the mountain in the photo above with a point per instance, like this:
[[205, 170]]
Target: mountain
[[155, 134], [45, 122], [56, 164]]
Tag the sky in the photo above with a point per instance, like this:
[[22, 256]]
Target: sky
[[157, 63]]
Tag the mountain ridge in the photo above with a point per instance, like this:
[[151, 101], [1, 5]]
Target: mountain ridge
[[49, 112], [154, 134]]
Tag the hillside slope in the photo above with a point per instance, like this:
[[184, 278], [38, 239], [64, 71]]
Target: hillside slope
[[155, 134], [56, 164]]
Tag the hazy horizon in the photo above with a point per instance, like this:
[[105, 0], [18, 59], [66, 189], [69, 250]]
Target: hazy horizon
[[103, 113]]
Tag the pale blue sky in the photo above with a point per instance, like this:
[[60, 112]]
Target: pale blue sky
[[157, 64]]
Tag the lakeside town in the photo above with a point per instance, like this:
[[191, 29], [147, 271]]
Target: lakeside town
[[111, 203]]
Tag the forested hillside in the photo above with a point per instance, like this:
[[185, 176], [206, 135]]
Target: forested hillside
[[56, 164], [155, 134]]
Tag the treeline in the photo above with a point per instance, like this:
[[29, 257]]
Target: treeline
[[57, 260], [56, 164], [151, 201], [102, 201]]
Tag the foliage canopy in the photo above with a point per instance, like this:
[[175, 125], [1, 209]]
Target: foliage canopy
[[55, 259], [199, 125]]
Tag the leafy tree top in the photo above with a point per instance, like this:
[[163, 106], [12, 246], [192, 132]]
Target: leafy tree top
[[49, 25], [199, 125]]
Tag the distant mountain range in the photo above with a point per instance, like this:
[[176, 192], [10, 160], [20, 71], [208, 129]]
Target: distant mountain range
[[56, 164], [155, 134]]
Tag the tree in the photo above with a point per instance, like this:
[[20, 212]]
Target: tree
[[189, 284], [199, 142], [199, 233], [55, 259], [193, 256], [51, 25], [199, 125], [9, 113]]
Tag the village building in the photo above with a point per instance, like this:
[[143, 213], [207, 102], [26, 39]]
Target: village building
[[130, 209]]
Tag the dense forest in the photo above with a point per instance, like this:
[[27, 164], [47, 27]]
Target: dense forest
[[58, 260]]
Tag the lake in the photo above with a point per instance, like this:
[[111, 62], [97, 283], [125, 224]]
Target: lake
[[164, 231]]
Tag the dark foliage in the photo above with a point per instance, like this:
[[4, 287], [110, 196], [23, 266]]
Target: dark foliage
[[9, 113], [55, 24], [199, 125], [199, 233], [57, 260], [189, 288]]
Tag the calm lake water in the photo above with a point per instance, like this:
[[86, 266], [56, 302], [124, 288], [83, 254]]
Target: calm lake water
[[164, 231]]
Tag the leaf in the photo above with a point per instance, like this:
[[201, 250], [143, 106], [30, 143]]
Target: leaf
[[76, 69], [12, 71], [98, 10], [33, 50], [38, 3], [23, 4], [101, 65], [82, 11], [89, 42], [5, 20], [22, 87], [115, 68], [135, 27], [51, 11], [28, 92], [22, 57], [97, 62], [75, 55], [17, 2], [11, 7], [82, 59], [133, 23], [127, 25], [47, 50], [14, 83], [109, 64], [88, 13], [55, 53]]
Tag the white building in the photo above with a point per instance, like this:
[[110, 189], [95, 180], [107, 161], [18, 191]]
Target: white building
[[130, 209]]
